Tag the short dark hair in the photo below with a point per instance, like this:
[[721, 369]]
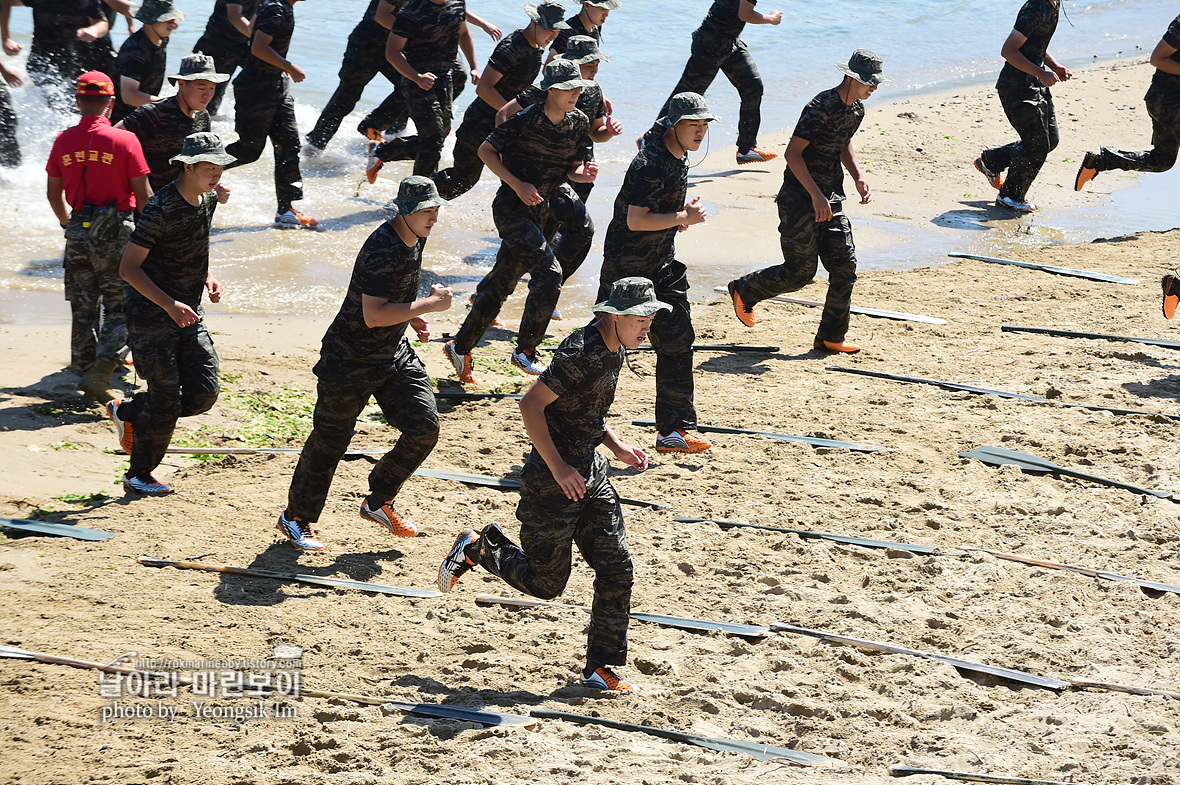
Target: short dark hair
[[93, 104]]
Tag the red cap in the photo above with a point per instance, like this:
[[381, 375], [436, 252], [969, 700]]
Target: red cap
[[95, 83]]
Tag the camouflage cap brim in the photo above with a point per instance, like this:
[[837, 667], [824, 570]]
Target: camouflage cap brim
[[221, 159]]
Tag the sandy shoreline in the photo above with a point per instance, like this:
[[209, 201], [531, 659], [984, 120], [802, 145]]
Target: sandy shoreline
[[91, 600]]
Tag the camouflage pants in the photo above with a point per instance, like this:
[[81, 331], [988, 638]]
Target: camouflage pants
[[525, 234], [179, 365], [264, 108], [364, 58], [550, 525], [431, 112], [228, 56], [56, 72], [478, 121], [805, 244], [711, 53], [95, 292], [1165, 141], [671, 336], [9, 149], [1030, 111], [406, 399]]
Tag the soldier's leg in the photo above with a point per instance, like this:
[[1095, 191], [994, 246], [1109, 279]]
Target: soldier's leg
[[362, 61], [709, 51], [407, 401], [388, 113], [742, 73], [511, 220], [571, 221], [838, 254], [339, 401], [1165, 141], [81, 289], [113, 335], [602, 539], [155, 340], [9, 149], [198, 363], [284, 138], [47, 68], [522, 239], [255, 105], [1031, 114], [672, 336], [799, 238], [431, 112], [461, 177]]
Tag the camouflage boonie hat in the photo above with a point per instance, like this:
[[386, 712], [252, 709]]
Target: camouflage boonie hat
[[549, 15], [198, 66], [204, 146], [153, 11], [608, 5], [686, 106], [413, 194], [563, 75], [632, 297], [582, 49], [865, 67]]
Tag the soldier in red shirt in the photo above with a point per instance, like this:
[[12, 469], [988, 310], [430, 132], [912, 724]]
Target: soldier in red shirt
[[97, 177]]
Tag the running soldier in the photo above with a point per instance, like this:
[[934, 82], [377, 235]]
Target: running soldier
[[143, 57], [533, 153], [166, 267], [716, 46], [227, 40], [98, 54], [366, 354], [641, 240], [1163, 107], [9, 148], [566, 496], [162, 126], [513, 66], [264, 108], [812, 225], [587, 21], [104, 177], [1028, 73], [55, 62]]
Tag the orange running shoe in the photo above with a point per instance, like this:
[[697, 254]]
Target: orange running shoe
[[1087, 171], [124, 429], [681, 440], [388, 517], [1171, 287], [755, 156], [744, 314], [994, 180], [293, 219], [835, 346], [460, 362], [602, 678]]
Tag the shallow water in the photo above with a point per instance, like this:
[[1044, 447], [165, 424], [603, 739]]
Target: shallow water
[[928, 46]]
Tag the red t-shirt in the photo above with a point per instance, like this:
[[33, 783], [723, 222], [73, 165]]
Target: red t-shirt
[[109, 156]]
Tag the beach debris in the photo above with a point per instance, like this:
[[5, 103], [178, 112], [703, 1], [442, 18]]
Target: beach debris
[[927, 550], [1008, 674], [782, 437], [453, 395], [507, 484], [1012, 328], [897, 770], [54, 529], [957, 387], [1087, 684], [720, 347], [1052, 565], [880, 314], [764, 752], [437, 710], [998, 456], [1049, 268], [257, 451], [677, 622], [315, 580]]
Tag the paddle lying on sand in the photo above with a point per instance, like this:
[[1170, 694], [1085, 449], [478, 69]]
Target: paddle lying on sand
[[782, 437], [998, 456], [422, 709], [1052, 565], [955, 386], [759, 751], [898, 315], [1086, 684], [840, 538], [1012, 328], [506, 484], [257, 451], [315, 580], [1049, 268], [897, 770], [678, 622], [966, 665], [719, 347], [54, 529]]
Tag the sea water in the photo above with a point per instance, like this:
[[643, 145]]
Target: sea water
[[927, 45]]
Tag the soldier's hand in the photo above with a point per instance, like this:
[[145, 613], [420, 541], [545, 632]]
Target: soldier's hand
[[11, 47], [296, 73], [442, 296], [1047, 77], [223, 192], [421, 328], [11, 77], [823, 209], [632, 456], [694, 212], [85, 35], [774, 17], [573, 485], [866, 193], [528, 193], [589, 171], [474, 76], [425, 81], [182, 314], [607, 107], [614, 126], [215, 289]]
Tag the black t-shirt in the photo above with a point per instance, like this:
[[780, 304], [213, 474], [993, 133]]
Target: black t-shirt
[[143, 61], [723, 18], [1164, 85], [518, 63], [176, 235], [1037, 21], [56, 22], [432, 32], [590, 103], [161, 127], [562, 42], [583, 374], [658, 181], [827, 123], [386, 268], [219, 26], [369, 27], [539, 151], [276, 18]]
